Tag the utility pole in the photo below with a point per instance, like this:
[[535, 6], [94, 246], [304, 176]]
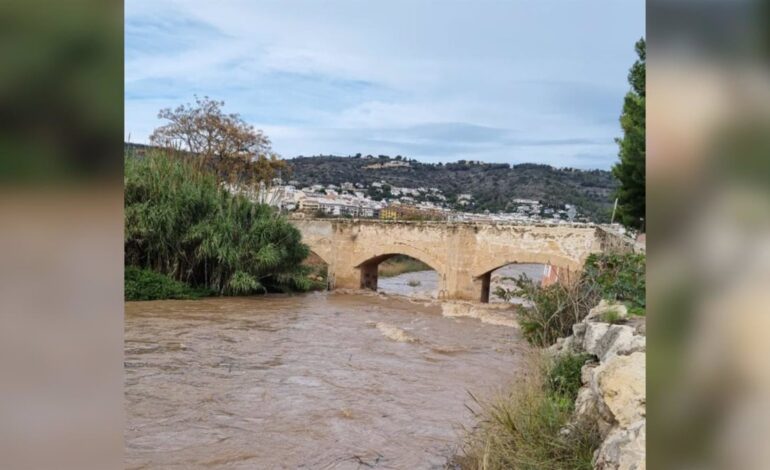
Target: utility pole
[[615, 208]]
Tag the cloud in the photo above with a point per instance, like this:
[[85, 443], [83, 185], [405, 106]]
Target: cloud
[[500, 81]]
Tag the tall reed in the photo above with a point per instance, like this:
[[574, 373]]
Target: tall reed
[[181, 222]]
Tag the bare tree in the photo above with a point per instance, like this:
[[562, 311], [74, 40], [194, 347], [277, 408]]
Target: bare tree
[[238, 152]]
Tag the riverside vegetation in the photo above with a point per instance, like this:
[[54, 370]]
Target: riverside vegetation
[[538, 424], [531, 426], [522, 429], [186, 236], [555, 308], [401, 264]]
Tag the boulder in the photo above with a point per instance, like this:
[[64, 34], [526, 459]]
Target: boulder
[[613, 396], [590, 409], [593, 335], [587, 372], [619, 340], [579, 330], [568, 346], [585, 404], [604, 308], [621, 386], [623, 449]]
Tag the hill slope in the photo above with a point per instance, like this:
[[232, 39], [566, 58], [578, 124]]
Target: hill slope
[[493, 185]]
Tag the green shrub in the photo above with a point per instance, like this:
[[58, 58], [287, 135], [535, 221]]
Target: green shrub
[[619, 277], [144, 284], [636, 310], [180, 222], [523, 429], [553, 309], [563, 376]]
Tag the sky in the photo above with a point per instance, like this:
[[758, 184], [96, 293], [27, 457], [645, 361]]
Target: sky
[[513, 81]]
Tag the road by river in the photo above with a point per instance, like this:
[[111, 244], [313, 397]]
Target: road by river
[[315, 381]]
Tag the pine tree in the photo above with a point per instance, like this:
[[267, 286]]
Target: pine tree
[[630, 170]]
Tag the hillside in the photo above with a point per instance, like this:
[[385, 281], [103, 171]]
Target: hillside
[[493, 185]]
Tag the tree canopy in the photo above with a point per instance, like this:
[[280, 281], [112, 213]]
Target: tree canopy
[[238, 152], [630, 170]]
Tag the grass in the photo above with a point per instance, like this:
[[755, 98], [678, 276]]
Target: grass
[[612, 317], [401, 264], [563, 375], [144, 284], [525, 428], [637, 311]]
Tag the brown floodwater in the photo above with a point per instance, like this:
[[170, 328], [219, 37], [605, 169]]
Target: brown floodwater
[[316, 381]]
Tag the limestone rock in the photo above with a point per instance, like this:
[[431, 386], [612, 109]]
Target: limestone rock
[[593, 335], [557, 347], [590, 409], [578, 334], [598, 313], [623, 449], [621, 385], [619, 340], [587, 372], [568, 346], [585, 404], [613, 395]]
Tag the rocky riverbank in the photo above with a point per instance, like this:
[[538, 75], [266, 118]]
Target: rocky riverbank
[[613, 394]]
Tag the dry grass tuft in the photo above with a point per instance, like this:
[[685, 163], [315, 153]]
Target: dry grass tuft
[[528, 428]]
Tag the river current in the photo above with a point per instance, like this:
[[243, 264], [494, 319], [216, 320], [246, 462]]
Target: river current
[[315, 381]]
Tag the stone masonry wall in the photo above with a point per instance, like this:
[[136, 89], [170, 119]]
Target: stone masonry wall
[[461, 253]]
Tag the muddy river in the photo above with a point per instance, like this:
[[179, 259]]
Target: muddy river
[[316, 381]]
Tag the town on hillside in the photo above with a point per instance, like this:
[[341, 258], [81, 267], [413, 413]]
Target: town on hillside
[[380, 200]]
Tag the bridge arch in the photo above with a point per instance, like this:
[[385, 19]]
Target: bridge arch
[[318, 255], [528, 258], [321, 247], [482, 277], [367, 265]]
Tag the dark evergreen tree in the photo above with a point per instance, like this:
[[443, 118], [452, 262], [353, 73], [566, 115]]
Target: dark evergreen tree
[[630, 170]]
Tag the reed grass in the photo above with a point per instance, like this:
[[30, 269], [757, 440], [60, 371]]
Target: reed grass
[[181, 222], [530, 427]]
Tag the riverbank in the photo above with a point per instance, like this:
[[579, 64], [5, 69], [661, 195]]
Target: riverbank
[[581, 404], [400, 264]]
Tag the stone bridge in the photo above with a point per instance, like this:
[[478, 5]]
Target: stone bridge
[[463, 254]]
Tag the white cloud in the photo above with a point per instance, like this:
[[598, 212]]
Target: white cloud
[[348, 77]]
